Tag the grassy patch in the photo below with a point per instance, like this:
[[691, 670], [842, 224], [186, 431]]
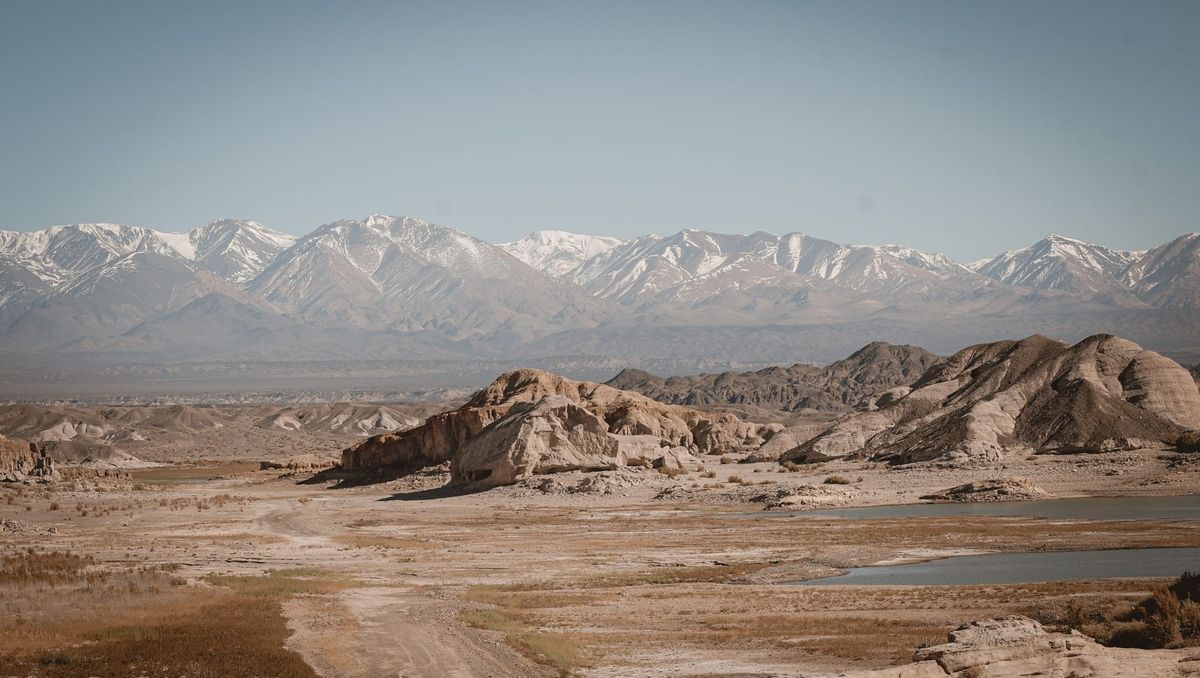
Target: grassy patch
[[528, 597], [559, 651], [283, 583], [66, 616], [231, 636]]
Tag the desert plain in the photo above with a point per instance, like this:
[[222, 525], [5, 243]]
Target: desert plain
[[209, 564]]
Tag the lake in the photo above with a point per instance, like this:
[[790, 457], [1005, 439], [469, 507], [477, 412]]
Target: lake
[[1020, 568]]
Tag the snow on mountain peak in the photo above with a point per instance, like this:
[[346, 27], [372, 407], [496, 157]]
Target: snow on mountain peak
[[1058, 262], [556, 253]]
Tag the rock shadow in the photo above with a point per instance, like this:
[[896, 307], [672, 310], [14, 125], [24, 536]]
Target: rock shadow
[[443, 492]]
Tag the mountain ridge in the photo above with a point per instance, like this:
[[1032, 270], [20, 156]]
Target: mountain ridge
[[90, 284]]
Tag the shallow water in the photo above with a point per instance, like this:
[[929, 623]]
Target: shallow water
[[1083, 508], [1020, 568]]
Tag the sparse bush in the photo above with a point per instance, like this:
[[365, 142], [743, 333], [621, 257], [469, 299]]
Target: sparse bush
[[837, 480], [1168, 618], [709, 474], [1188, 441], [791, 466]]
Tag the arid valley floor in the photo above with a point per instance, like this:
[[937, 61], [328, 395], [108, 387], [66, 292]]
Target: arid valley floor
[[217, 568]]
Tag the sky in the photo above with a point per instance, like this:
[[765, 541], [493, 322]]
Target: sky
[[962, 127]]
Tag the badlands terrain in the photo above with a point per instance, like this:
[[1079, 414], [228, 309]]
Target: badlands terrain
[[544, 526]]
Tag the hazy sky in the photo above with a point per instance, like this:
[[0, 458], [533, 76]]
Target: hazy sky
[[962, 127]]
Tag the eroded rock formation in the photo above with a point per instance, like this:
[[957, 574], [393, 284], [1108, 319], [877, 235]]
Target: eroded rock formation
[[529, 422], [1016, 646], [1036, 394], [21, 460]]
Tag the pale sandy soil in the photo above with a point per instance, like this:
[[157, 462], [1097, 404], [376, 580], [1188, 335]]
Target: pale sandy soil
[[622, 584]]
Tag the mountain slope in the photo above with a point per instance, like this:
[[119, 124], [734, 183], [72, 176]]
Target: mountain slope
[[218, 327], [407, 275], [1168, 276], [236, 250], [67, 283], [1060, 263], [692, 267], [557, 253], [1035, 394], [57, 254], [111, 298], [837, 387]]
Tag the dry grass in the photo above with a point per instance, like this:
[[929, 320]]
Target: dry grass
[[559, 651], [676, 575], [358, 540], [226, 635], [283, 583], [65, 616], [1169, 617], [865, 627], [46, 568]]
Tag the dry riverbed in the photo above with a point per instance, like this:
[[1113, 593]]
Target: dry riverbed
[[642, 575]]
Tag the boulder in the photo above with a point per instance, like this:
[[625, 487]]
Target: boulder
[[678, 459]]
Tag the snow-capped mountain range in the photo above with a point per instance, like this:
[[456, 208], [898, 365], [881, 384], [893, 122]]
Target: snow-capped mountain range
[[414, 286]]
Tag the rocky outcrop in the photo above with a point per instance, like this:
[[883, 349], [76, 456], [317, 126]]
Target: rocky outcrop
[[838, 387], [300, 462], [1016, 646], [22, 460], [1104, 393], [996, 489], [530, 422]]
